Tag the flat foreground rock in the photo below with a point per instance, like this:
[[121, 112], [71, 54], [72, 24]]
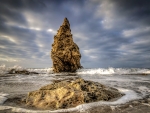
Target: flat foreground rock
[[65, 94]]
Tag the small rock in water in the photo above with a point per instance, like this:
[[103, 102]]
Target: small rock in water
[[25, 72], [148, 99], [135, 102], [65, 53], [130, 106]]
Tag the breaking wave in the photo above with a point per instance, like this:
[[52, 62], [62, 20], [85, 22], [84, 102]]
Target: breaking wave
[[101, 71], [114, 71], [5, 70]]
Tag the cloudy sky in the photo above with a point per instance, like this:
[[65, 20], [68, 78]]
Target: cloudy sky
[[109, 33]]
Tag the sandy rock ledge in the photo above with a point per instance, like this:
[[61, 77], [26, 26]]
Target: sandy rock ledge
[[66, 94]]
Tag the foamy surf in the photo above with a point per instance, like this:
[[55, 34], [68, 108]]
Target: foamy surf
[[112, 71], [4, 69], [134, 87], [101, 71], [3, 97]]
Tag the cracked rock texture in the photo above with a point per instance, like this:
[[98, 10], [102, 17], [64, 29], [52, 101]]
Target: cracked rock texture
[[66, 94], [65, 53]]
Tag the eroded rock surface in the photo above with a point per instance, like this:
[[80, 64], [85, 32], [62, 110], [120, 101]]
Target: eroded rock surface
[[65, 53], [65, 94]]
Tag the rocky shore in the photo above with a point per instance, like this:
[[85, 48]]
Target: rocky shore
[[26, 102], [70, 93]]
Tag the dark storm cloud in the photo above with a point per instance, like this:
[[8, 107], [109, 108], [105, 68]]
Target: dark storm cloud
[[109, 32], [136, 10]]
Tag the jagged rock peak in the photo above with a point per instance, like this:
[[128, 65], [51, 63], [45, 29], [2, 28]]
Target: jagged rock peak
[[64, 29], [66, 22]]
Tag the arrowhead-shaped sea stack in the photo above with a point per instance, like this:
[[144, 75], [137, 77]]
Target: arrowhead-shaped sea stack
[[65, 53]]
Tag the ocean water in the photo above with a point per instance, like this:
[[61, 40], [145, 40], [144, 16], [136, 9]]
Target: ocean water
[[133, 82]]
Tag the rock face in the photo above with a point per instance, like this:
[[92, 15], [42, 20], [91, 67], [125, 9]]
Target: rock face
[[65, 94], [65, 53]]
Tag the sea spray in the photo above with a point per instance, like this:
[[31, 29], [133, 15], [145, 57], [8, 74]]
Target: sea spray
[[101, 71]]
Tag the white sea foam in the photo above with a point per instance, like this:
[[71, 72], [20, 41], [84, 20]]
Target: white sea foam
[[4, 69], [102, 71], [111, 71], [144, 90], [129, 95], [42, 71], [3, 97]]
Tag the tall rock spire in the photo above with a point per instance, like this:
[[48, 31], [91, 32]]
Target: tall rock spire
[[65, 53]]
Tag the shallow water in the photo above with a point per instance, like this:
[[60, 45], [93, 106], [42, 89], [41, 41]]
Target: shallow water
[[133, 82], [134, 86]]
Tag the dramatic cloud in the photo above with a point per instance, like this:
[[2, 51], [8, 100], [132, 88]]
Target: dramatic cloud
[[109, 33]]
